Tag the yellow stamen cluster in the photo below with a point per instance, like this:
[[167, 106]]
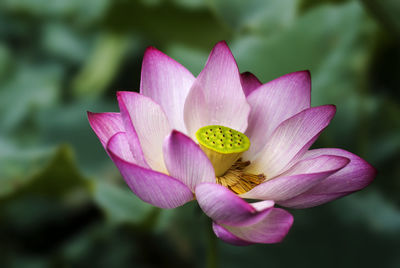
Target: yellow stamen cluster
[[239, 181]]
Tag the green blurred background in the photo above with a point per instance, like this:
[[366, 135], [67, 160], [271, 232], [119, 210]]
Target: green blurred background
[[64, 204]]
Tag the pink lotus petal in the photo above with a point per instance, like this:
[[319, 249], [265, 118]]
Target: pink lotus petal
[[105, 125], [186, 161], [291, 139], [228, 237], [301, 177], [249, 82], [133, 139], [216, 97], [311, 200], [223, 206], [152, 187], [150, 124], [149, 143], [262, 205], [167, 83], [271, 229], [274, 102], [120, 147], [354, 177]]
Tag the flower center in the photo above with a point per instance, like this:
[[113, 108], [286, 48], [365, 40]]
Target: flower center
[[239, 181], [224, 146]]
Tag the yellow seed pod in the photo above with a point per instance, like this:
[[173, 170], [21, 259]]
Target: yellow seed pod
[[222, 145]]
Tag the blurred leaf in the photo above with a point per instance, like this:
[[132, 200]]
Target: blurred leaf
[[372, 210], [187, 228], [103, 245], [61, 41], [386, 12], [191, 4], [18, 164], [58, 178], [29, 262], [307, 45], [119, 203], [81, 12], [102, 65], [193, 59], [166, 23], [5, 60], [381, 144], [68, 124], [308, 4], [31, 87], [100, 245], [49, 196], [266, 16], [385, 139]]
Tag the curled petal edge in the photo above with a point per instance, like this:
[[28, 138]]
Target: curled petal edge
[[225, 207], [151, 186]]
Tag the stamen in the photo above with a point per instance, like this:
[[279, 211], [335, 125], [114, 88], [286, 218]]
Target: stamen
[[239, 181]]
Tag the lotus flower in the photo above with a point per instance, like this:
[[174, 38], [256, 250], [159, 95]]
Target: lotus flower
[[223, 137]]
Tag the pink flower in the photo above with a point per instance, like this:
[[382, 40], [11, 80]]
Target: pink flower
[[154, 141]]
